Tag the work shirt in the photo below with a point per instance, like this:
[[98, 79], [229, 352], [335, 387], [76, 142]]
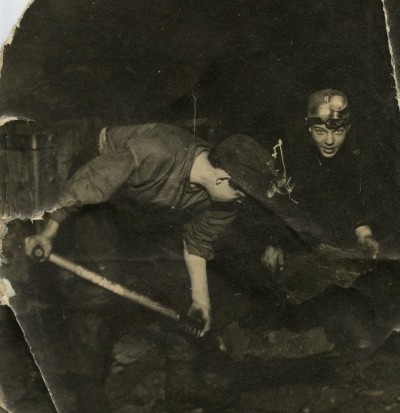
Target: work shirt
[[150, 165], [330, 190]]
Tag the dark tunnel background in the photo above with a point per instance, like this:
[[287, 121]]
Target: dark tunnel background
[[248, 64], [252, 63]]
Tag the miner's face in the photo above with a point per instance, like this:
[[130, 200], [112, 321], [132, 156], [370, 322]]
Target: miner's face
[[328, 141], [223, 191]]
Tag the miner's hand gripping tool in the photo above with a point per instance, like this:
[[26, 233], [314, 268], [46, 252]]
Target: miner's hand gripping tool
[[183, 325]]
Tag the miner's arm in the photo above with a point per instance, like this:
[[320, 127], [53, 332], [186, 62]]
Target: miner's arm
[[94, 183], [201, 307]]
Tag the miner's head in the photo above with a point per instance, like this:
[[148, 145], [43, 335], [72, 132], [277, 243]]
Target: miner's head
[[328, 120]]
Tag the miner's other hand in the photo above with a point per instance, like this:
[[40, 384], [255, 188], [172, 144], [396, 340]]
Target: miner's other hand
[[273, 258], [369, 244], [39, 241], [202, 312]]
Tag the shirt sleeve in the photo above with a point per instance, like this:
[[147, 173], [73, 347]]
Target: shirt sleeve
[[95, 182], [201, 232]]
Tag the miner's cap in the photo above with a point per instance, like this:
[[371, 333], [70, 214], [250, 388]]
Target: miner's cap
[[329, 107], [250, 166]]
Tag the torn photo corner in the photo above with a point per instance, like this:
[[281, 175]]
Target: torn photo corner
[[6, 291], [137, 274]]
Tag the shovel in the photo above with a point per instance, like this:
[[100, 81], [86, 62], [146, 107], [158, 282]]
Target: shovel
[[183, 325]]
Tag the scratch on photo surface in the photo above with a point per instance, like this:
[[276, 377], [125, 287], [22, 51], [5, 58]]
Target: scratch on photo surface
[[242, 58], [391, 44], [194, 113], [46, 383], [3, 407], [6, 293], [6, 289]]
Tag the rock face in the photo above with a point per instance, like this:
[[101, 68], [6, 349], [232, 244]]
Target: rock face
[[239, 59], [21, 386], [289, 344], [137, 379], [76, 66], [287, 371]]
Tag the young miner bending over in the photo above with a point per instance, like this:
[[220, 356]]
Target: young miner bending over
[[164, 167]]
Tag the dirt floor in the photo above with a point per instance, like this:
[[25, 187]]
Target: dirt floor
[[346, 381], [270, 367]]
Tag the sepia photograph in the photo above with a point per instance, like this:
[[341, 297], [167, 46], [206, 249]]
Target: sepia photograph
[[199, 206]]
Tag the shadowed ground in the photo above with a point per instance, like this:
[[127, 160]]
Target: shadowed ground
[[271, 367]]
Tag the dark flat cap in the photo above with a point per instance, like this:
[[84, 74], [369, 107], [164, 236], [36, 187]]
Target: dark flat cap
[[249, 164], [252, 168]]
